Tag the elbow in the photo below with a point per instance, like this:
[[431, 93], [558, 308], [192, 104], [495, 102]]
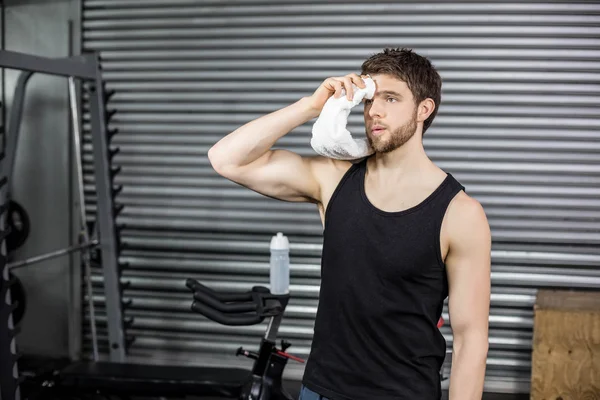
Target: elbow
[[216, 160], [222, 164], [213, 157], [476, 345]]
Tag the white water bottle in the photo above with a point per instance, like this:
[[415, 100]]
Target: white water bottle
[[280, 264]]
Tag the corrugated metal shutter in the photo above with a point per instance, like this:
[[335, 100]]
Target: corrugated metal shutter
[[518, 126]]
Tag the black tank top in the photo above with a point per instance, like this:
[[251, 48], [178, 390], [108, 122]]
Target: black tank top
[[383, 284]]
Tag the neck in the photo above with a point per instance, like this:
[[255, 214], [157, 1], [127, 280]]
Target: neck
[[409, 160]]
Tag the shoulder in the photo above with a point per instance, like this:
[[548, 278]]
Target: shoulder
[[466, 220], [328, 174], [328, 165], [327, 170], [465, 206]]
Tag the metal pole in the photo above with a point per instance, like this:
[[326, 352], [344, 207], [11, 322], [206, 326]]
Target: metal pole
[[83, 229], [273, 327], [53, 254], [9, 372], [106, 219], [14, 127]]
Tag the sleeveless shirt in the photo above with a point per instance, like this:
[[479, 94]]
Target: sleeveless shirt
[[383, 284]]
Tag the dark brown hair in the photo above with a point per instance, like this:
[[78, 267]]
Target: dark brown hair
[[417, 71]]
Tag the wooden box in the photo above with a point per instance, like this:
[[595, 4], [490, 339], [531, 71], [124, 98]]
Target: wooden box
[[566, 346]]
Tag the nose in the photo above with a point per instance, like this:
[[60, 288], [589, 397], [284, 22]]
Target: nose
[[375, 109]]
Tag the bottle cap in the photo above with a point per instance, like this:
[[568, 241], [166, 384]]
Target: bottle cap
[[280, 242]]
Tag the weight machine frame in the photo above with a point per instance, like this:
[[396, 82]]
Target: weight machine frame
[[87, 69]]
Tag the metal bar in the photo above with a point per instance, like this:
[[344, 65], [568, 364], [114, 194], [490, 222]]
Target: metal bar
[[14, 127], [53, 254], [105, 218], [9, 371], [72, 66], [273, 328], [83, 226]]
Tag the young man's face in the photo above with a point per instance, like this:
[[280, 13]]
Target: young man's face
[[391, 115]]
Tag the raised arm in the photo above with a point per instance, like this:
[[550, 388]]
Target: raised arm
[[245, 155], [468, 267]]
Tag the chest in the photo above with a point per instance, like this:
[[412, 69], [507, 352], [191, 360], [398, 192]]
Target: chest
[[365, 246], [395, 198]]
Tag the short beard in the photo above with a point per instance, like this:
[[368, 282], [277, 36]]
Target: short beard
[[397, 138]]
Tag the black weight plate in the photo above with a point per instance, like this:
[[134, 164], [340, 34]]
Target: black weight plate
[[17, 295], [18, 223]]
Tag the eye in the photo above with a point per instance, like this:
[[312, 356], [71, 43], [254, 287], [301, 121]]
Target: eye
[[368, 101], [391, 100]]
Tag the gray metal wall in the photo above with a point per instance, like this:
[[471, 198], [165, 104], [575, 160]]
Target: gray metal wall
[[518, 126], [41, 181]]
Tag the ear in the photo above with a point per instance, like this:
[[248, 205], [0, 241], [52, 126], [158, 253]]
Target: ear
[[425, 109]]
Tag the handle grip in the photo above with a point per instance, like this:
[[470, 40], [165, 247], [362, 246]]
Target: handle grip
[[247, 308], [233, 320], [208, 300], [196, 286]]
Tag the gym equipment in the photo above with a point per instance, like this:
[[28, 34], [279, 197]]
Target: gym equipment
[[18, 298], [18, 224], [85, 68], [84, 234], [262, 382], [53, 254], [9, 382], [233, 309], [19, 227]]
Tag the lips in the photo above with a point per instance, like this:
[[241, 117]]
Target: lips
[[377, 129]]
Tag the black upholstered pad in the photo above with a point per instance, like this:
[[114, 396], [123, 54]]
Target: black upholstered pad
[[156, 380]]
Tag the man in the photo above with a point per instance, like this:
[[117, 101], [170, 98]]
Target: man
[[400, 235]]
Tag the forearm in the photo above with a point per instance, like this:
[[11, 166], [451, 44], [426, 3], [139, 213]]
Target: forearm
[[468, 368], [252, 140]]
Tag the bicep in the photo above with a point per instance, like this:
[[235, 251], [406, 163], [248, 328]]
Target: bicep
[[279, 174], [468, 267]]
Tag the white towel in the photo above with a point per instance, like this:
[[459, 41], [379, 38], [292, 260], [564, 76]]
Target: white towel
[[330, 138]]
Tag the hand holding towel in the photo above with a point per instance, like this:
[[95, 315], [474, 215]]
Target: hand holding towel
[[330, 138]]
